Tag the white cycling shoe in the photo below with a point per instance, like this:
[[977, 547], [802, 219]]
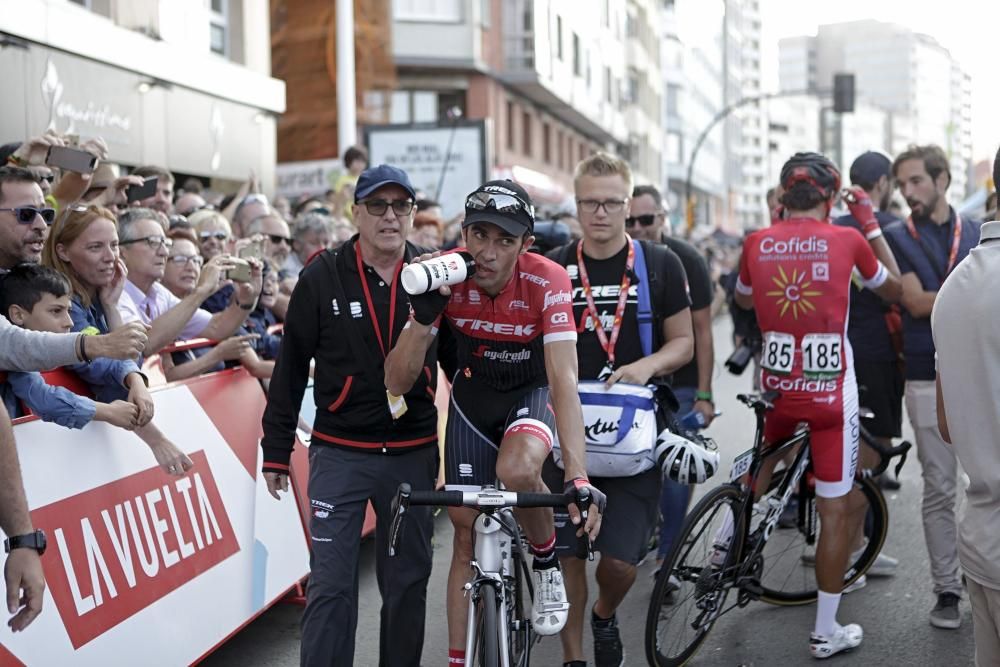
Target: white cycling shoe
[[844, 638], [550, 608]]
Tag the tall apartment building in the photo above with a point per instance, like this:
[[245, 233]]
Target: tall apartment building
[[711, 59], [555, 80], [183, 84], [922, 89]]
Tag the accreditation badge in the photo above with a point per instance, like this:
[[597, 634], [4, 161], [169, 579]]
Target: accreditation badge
[[397, 404]]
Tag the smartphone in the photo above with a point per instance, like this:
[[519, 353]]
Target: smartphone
[[241, 273], [144, 191], [71, 159]]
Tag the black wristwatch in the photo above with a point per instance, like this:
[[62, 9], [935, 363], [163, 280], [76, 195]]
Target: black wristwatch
[[35, 540]]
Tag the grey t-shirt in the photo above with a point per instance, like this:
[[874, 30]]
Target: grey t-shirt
[[23, 350]]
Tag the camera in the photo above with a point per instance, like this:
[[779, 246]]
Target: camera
[[741, 356]]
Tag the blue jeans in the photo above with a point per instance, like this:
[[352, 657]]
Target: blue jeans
[[673, 496]]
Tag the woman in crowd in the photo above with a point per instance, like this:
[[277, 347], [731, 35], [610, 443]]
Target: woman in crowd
[[83, 246], [180, 277]]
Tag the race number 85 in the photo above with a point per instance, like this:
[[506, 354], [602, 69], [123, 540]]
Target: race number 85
[[779, 352]]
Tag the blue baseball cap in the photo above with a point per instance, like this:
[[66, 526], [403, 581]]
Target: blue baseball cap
[[373, 178], [869, 167]]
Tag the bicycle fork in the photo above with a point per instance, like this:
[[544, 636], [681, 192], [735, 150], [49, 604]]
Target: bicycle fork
[[492, 565]]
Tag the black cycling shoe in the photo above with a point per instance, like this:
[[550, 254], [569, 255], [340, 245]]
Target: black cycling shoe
[[608, 649]]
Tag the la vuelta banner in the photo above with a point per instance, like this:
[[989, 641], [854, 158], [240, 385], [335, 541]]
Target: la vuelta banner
[[143, 567]]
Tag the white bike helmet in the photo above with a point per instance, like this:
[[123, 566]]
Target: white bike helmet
[[684, 461]]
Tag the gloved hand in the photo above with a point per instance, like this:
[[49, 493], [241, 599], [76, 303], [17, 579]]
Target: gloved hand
[[427, 307], [860, 205], [591, 524]]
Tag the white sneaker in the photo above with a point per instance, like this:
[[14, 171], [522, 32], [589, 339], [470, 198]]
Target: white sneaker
[[858, 584], [845, 638], [884, 566], [550, 608]]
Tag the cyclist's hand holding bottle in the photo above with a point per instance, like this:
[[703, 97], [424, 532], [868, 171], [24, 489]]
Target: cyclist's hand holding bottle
[[862, 209], [427, 302]]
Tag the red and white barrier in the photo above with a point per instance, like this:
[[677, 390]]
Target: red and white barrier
[[146, 568]]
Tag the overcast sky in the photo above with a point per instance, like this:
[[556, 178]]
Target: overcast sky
[[968, 28]]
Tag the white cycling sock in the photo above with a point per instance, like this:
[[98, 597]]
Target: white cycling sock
[[826, 614]]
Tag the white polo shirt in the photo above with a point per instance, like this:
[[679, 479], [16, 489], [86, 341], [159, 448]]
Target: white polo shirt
[[966, 327], [134, 306]]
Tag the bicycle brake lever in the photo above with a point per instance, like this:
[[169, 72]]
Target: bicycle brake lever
[[400, 506]]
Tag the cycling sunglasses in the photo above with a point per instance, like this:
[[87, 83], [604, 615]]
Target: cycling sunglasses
[[644, 220], [277, 238], [482, 201], [26, 214]]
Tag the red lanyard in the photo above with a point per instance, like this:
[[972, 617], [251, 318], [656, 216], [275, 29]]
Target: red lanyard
[[956, 240], [371, 305], [606, 344]]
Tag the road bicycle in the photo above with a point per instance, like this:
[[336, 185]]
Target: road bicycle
[[760, 561], [500, 591]]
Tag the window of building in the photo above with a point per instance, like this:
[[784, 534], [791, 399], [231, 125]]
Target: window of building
[[485, 13], [448, 100], [674, 148], [583, 151], [632, 87], [631, 25], [85, 3], [608, 82], [673, 97], [577, 56], [559, 38], [526, 133], [606, 13], [510, 125], [219, 27], [560, 150], [431, 11], [546, 146]]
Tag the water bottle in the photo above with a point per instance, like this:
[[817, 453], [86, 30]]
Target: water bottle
[[693, 421], [450, 269]]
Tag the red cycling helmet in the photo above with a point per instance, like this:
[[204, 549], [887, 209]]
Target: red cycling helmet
[[814, 169]]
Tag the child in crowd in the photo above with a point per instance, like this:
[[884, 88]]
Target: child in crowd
[[37, 298]]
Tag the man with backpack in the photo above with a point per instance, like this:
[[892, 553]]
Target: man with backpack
[[633, 320]]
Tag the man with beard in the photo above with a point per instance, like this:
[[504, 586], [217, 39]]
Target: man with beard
[[928, 246]]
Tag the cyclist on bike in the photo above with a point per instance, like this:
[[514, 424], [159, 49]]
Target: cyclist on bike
[[797, 275], [516, 384]]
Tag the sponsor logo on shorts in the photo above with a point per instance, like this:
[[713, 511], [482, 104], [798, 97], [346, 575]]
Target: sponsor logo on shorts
[[465, 470]]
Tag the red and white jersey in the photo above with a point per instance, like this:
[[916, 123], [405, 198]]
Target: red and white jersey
[[799, 272], [500, 339]]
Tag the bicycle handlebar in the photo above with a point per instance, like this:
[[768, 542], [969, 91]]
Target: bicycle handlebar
[[485, 499], [886, 454]]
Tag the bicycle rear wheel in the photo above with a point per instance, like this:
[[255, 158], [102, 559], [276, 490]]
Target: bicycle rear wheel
[[788, 576], [691, 589]]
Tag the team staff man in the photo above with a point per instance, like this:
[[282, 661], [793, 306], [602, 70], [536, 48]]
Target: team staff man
[[517, 383], [928, 246], [605, 307], [347, 311], [796, 275]]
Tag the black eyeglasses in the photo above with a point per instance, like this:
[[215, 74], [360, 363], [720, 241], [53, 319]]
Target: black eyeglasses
[[277, 238], [644, 220], [218, 236], [181, 260], [378, 207], [154, 242], [611, 206], [502, 203], [26, 214]]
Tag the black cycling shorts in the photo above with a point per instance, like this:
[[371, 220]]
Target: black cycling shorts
[[479, 417], [880, 389], [629, 519]]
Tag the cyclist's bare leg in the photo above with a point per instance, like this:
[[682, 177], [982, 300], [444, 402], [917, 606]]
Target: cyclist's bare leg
[[575, 577], [462, 519], [519, 467], [834, 544]]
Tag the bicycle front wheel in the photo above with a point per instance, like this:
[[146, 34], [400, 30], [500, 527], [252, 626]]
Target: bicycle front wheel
[[487, 650], [693, 582], [788, 575]]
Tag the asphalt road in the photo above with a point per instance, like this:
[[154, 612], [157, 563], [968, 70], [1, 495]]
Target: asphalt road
[[893, 611]]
